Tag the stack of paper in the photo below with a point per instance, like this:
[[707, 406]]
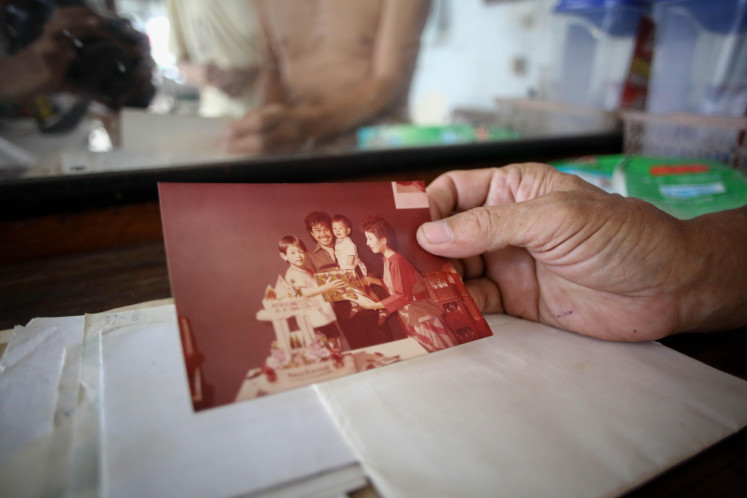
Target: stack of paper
[[40, 379], [533, 411], [100, 406]]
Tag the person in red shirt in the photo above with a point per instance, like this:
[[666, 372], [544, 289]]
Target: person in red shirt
[[419, 316]]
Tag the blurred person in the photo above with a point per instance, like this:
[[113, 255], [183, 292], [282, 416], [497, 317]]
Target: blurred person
[[48, 49], [41, 67], [330, 66], [547, 246], [217, 48]]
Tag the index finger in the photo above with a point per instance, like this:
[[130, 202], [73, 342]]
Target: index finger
[[458, 191], [462, 190]]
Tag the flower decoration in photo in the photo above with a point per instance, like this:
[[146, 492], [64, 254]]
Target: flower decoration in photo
[[320, 352], [299, 355]]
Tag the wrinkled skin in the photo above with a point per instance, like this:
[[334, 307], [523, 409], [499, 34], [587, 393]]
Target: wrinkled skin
[[539, 244]]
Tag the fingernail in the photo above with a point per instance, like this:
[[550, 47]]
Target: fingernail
[[437, 232]]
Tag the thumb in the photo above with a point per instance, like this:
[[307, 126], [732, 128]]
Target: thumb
[[486, 229]]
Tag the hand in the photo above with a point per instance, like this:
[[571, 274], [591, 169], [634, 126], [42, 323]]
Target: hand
[[42, 66], [232, 82], [366, 302], [334, 286], [272, 128], [549, 247]]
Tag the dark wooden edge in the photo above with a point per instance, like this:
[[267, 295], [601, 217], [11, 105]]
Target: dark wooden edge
[[29, 197]]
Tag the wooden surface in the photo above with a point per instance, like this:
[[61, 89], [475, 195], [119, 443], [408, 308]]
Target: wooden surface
[[82, 283], [40, 237]]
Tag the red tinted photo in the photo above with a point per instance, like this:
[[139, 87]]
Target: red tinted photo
[[278, 286]]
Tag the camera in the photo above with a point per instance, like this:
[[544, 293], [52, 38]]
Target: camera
[[114, 68]]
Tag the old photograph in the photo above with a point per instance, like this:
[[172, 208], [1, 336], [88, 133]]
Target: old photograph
[[279, 286]]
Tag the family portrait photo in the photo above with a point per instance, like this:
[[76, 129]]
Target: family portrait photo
[[278, 286]]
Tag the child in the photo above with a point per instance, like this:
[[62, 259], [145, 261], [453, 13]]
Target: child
[[346, 253], [323, 319]]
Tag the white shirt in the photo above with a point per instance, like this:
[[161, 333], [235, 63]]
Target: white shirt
[[322, 313], [344, 248]]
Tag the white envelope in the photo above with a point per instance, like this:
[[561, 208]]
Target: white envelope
[[156, 445], [533, 411]]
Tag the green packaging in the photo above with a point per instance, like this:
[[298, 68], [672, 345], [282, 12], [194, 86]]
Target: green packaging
[[684, 188], [371, 137]]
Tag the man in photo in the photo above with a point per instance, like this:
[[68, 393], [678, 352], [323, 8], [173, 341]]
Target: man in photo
[[361, 329], [322, 257]]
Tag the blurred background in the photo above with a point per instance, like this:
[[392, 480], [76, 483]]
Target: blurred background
[[671, 76]]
